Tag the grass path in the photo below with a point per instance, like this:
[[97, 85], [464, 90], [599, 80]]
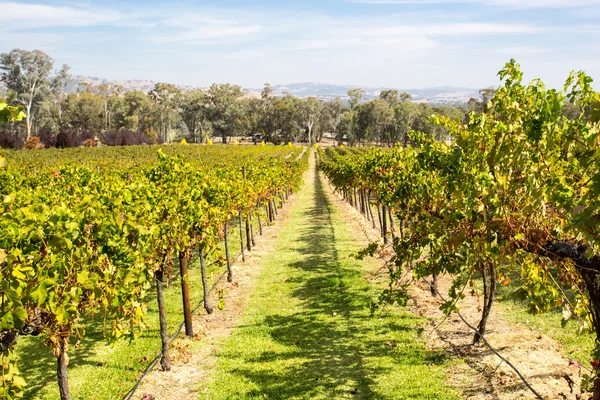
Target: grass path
[[307, 333]]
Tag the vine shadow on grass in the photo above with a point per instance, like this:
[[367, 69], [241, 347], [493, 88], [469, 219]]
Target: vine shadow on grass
[[334, 333]]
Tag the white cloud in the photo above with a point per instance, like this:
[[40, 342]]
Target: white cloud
[[202, 27], [22, 15], [518, 51], [445, 29], [504, 3]]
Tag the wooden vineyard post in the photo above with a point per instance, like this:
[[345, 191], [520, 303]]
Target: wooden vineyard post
[[207, 305], [368, 204], [379, 217], [392, 229], [275, 206], [258, 217], [248, 234], [384, 228], [248, 239], [271, 216], [228, 260], [165, 362], [371, 211], [241, 236], [185, 294], [362, 202], [252, 229]]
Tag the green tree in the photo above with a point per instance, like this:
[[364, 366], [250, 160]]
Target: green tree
[[58, 86], [194, 111], [26, 75], [374, 119], [331, 117], [226, 109], [166, 96], [355, 96], [309, 111]]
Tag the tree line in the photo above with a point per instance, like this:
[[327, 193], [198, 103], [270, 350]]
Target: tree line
[[114, 116]]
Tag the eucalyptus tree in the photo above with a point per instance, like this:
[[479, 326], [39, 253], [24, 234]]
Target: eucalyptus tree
[[226, 109], [309, 113], [194, 111], [331, 117], [26, 74], [58, 87], [166, 96]]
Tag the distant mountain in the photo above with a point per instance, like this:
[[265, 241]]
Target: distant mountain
[[131, 84], [437, 95]]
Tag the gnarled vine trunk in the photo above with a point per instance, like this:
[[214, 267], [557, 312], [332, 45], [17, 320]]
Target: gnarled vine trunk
[[165, 361], [489, 275], [61, 368]]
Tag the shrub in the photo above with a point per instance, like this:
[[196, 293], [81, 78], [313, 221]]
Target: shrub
[[10, 140], [33, 143]]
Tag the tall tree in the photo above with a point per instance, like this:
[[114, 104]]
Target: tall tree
[[374, 119], [355, 97], [194, 111], [390, 96], [167, 97], [226, 109], [332, 116], [26, 74], [309, 113], [58, 86]]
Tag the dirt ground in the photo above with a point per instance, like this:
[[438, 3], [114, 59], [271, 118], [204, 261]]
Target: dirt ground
[[483, 375]]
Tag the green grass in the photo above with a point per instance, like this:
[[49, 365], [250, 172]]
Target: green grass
[[577, 346], [307, 331], [98, 370]]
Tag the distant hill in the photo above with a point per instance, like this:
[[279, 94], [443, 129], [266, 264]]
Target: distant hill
[[131, 84], [435, 95], [438, 95]]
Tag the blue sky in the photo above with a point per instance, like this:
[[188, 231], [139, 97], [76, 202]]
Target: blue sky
[[395, 43]]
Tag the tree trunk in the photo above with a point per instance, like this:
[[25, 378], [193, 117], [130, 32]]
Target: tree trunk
[[205, 289], [185, 294], [28, 123], [165, 361], [229, 272], [61, 368]]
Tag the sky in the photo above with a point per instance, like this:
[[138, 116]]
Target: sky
[[380, 43]]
